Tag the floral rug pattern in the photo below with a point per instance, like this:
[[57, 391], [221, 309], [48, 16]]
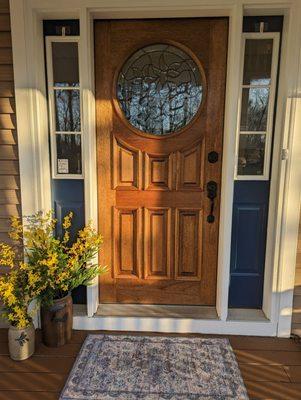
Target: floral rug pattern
[[113, 367]]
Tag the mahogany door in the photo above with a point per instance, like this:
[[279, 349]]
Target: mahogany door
[[160, 87]]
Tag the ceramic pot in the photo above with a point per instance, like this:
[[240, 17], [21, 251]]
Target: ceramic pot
[[21, 342], [57, 322]]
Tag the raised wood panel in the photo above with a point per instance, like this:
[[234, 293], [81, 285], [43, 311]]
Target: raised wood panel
[[6, 89], [9, 197], [127, 238], [125, 167], [158, 172], [188, 239], [158, 246], [7, 121], [5, 39], [8, 136], [190, 167], [6, 72], [6, 55], [9, 167], [7, 106], [157, 198], [8, 152]]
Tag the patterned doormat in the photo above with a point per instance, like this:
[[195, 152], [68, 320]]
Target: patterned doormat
[[111, 367]]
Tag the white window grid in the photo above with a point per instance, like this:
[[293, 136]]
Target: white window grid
[[51, 106], [275, 36]]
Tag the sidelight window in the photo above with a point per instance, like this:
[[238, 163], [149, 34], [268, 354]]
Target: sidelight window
[[64, 93], [257, 98]]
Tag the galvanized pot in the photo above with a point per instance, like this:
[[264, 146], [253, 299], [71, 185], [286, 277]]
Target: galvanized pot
[[57, 322], [21, 342]]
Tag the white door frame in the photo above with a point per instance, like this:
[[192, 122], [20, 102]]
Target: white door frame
[[31, 106]]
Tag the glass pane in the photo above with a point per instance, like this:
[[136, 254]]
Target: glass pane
[[258, 61], [69, 159], [67, 110], [160, 89], [254, 109], [251, 155], [65, 64]]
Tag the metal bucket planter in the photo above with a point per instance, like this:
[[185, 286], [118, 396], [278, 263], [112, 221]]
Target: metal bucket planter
[[21, 342], [57, 322]]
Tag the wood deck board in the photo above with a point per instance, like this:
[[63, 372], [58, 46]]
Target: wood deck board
[[271, 367]]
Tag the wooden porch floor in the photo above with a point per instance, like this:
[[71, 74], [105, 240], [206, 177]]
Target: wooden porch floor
[[271, 368]]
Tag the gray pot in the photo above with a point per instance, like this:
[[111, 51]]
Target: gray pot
[[21, 342]]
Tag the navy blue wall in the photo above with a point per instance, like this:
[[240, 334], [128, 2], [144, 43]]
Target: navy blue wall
[[248, 243], [68, 195]]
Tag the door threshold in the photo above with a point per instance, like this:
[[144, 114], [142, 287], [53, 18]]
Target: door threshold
[[246, 314], [156, 311]]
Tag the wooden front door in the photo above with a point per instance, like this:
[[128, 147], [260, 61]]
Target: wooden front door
[[160, 87]]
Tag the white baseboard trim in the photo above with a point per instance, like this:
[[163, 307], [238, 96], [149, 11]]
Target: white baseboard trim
[[175, 325]]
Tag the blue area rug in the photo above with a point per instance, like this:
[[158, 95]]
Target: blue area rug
[[111, 367]]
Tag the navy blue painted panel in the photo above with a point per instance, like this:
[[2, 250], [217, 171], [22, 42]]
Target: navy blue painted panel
[[248, 243], [68, 195]]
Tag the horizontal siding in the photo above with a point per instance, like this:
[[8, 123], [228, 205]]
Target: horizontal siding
[[7, 105], [10, 182], [8, 136], [296, 323], [5, 39], [4, 6], [6, 89], [10, 197], [9, 168]]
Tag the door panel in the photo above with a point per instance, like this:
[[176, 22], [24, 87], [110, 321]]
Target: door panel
[[160, 88], [188, 244], [190, 167], [157, 241], [126, 226]]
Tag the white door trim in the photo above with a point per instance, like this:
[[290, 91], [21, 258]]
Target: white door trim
[[31, 105]]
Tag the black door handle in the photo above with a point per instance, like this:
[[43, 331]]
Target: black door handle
[[211, 194]]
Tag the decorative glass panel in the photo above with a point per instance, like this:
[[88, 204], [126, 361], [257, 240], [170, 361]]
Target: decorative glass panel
[[65, 64], [68, 154], [67, 110], [251, 154], [254, 109], [258, 61], [160, 89]]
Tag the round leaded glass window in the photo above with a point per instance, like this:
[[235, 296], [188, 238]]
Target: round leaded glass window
[[160, 89]]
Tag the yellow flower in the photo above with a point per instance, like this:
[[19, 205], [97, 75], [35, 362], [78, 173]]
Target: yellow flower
[[67, 220], [33, 278], [16, 228], [7, 255], [66, 237]]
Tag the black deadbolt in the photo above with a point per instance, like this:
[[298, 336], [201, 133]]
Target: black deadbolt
[[213, 157], [211, 190], [210, 218]]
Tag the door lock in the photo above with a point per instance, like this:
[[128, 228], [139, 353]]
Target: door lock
[[213, 157], [211, 194]]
